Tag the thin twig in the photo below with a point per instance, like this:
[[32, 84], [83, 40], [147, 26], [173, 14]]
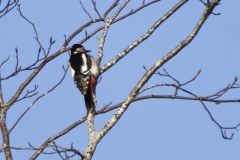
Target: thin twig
[[35, 30], [9, 6], [50, 90], [27, 94], [118, 19], [55, 148], [95, 7], [110, 8], [4, 62], [85, 10]]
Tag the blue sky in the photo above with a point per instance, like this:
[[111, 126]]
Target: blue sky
[[150, 129]]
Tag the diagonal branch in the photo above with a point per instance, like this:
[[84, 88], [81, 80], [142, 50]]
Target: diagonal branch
[[106, 109], [95, 7], [28, 95], [35, 30], [50, 90], [93, 135], [110, 8], [85, 10], [178, 82], [4, 61], [9, 6], [30, 67], [138, 41], [118, 19], [145, 78], [105, 31], [48, 59], [49, 140], [157, 65], [1, 95]]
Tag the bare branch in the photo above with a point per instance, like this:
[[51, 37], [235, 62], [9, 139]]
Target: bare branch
[[5, 134], [1, 95], [102, 41], [56, 136], [106, 109], [50, 45], [35, 30], [192, 78], [119, 19], [220, 127], [85, 10], [93, 135], [9, 6], [95, 7], [30, 67], [110, 8], [105, 31], [56, 149], [28, 92], [16, 50], [59, 148], [156, 66], [88, 24], [46, 60], [106, 106], [138, 41], [152, 96], [50, 90], [224, 90], [178, 85], [208, 3], [4, 62], [136, 90], [154, 86], [119, 10], [104, 131]]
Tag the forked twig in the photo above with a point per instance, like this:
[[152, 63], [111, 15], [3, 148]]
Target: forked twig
[[50, 90], [95, 8], [9, 6], [85, 10]]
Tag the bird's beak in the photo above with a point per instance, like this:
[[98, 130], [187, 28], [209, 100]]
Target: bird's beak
[[87, 50]]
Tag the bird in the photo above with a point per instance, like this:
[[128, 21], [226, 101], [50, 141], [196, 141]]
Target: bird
[[85, 73]]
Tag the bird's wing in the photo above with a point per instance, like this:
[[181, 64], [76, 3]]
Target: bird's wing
[[81, 80]]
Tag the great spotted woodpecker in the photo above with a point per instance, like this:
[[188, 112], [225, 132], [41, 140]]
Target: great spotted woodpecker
[[85, 72]]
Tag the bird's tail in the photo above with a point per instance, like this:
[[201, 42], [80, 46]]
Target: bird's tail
[[90, 102]]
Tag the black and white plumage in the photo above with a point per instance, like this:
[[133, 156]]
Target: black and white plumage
[[85, 72]]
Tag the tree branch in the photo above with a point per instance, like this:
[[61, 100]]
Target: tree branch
[[86, 10], [118, 19], [9, 6], [50, 90], [154, 68], [95, 7], [105, 31], [5, 134], [138, 41]]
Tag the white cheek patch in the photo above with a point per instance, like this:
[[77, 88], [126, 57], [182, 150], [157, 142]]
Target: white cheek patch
[[84, 65]]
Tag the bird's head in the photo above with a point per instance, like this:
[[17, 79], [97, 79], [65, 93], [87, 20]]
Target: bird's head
[[78, 48]]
